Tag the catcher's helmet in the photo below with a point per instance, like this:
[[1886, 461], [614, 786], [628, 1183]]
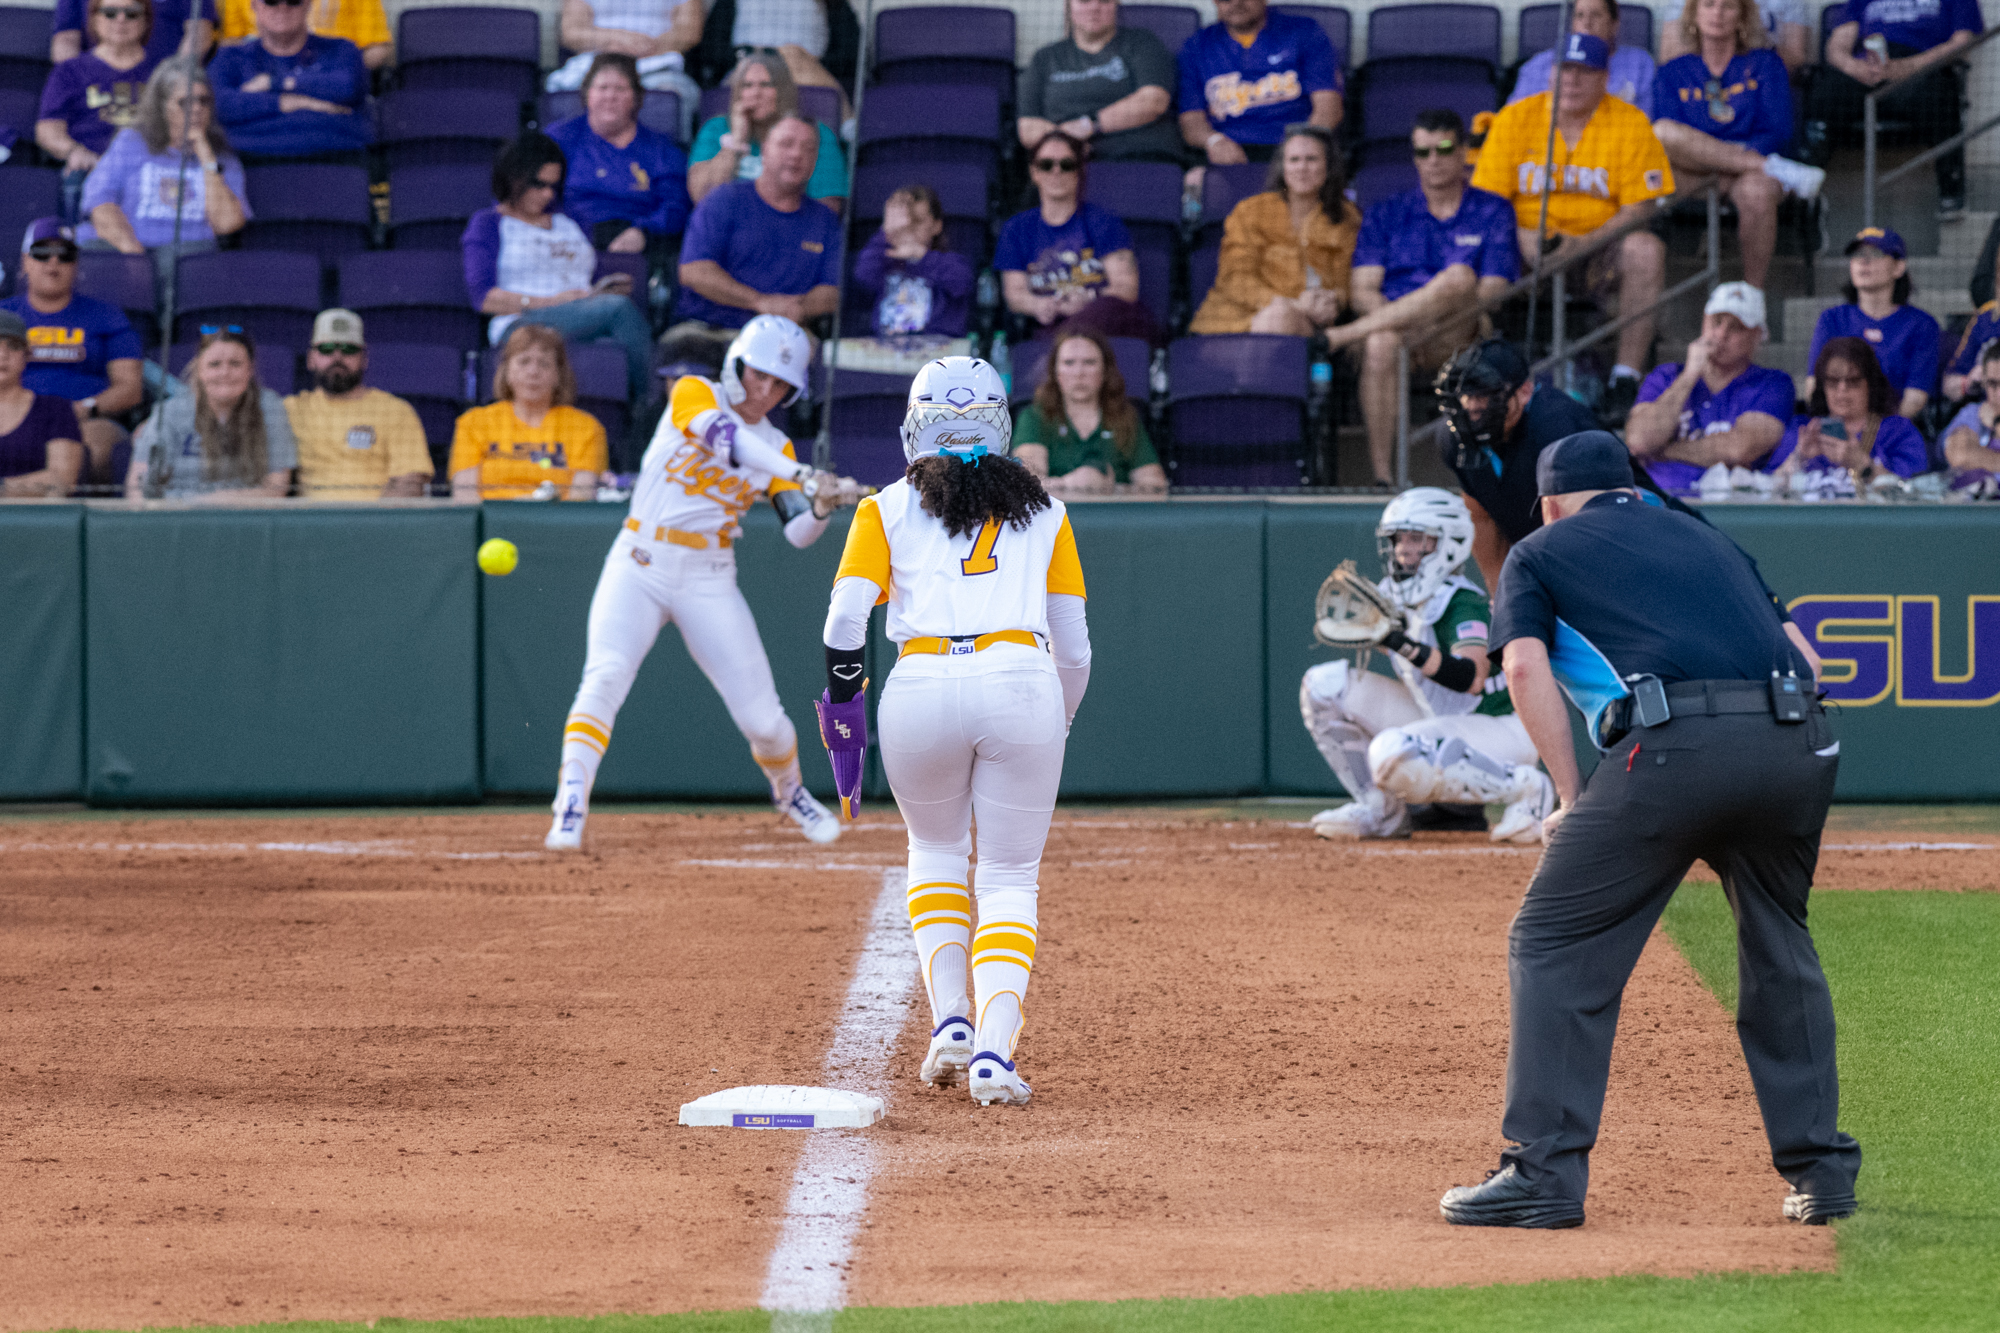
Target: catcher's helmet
[[1491, 370], [957, 406], [772, 344], [1437, 513]]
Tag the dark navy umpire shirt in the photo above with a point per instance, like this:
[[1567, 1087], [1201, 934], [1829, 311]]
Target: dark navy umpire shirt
[[1624, 588], [1504, 482]]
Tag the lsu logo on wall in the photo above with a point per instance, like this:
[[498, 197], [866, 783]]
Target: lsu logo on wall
[[1876, 647]]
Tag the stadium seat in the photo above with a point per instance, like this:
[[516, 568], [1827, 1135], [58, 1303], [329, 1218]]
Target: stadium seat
[[1147, 198], [26, 193], [428, 206], [1392, 92], [272, 295], [1537, 32], [323, 209], [661, 111], [1135, 363], [1172, 24], [19, 109], [24, 51], [822, 104], [411, 296], [277, 364], [1222, 189], [1471, 32], [1383, 169], [126, 281], [432, 380], [1236, 410], [471, 46], [633, 267], [868, 425], [1337, 23], [931, 123], [949, 44], [434, 127]]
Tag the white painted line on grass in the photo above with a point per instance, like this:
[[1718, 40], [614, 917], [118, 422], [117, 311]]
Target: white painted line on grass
[[806, 1282]]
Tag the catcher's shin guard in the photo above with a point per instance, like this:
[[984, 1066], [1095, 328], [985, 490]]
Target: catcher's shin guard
[[1422, 769], [1342, 742]]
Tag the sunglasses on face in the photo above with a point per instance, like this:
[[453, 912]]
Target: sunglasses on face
[[109, 13], [338, 349], [283, 4], [52, 254], [1848, 381], [1444, 149], [1063, 164]]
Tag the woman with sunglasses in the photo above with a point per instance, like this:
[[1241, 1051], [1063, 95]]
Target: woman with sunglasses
[[1287, 254], [93, 96], [228, 440], [1066, 260], [1852, 435], [1725, 115], [178, 27], [128, 198]]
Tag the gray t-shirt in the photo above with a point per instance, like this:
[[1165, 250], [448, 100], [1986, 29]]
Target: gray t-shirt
[[172, 450], [1063, 83]]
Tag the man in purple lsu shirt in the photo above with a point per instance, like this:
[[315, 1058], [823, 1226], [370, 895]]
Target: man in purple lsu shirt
[[1715, 406]]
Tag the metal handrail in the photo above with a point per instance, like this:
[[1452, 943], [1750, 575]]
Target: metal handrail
[[823, 442], [1870, 182]]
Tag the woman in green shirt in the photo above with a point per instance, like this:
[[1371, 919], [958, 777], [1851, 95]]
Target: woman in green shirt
[[1082, 435]]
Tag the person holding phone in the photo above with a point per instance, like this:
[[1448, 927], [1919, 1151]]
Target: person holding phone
[[1853, 428], [1972, 440]]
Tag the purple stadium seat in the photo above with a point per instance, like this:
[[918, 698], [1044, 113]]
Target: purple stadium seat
[[429, 206], [1383, 178], [1147, 197], [931, 123], [1225, 187], [427, 127], [411, 296], [26, 193], [1172, 24], [19, 108], [1237, 410], [950, 44], [1337, 23], [1134, 358], [660, 112], [867, 425], [277, 364], [428, 377], [1468, 31], [1538, 29], [24, 51], [272, 294], [633, 267], [127, 282], [320, 208], [471, 46], [1395, 91]]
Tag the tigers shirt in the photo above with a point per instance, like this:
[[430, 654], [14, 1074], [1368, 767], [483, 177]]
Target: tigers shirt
[[1617, 161], [514, 458]]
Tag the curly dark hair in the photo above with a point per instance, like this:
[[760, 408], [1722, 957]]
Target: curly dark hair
[[963, 495]]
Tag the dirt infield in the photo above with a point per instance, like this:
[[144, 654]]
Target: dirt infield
[[345, 1068]]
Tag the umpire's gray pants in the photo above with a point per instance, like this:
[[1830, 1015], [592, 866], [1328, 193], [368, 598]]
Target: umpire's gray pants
[[1749, 797]]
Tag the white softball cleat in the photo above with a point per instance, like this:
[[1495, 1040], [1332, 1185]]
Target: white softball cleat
[[814, 820], [1368, 817], [950, 1052], [1521, 822], [992, 1079], [566, 833]]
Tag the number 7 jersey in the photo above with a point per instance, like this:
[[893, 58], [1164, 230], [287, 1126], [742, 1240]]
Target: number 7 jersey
[[935, 584]]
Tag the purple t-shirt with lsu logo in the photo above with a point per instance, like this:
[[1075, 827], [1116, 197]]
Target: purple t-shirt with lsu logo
[[69, 352], [1411, 246], [1757, 389], [1906, 343], [1251, 93]]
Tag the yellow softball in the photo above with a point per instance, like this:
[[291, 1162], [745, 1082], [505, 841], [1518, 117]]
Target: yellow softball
[[497, 555]]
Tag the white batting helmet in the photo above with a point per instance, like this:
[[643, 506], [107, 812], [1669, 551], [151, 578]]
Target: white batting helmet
[[772, 344], [957, 405], [1437, 513]]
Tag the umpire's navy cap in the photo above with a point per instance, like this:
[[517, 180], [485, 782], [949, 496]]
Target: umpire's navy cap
[[1590, 460]]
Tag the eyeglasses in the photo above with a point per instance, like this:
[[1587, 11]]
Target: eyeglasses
[[338, 349], [60, 252], [106, 12], [1851, 381], [283, 4], [1443, 149], [542, 185], [210, 330], [1063, 164]]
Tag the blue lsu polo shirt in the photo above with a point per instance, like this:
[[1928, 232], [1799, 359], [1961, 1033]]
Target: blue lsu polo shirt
[[1920, 24], [1411, 246], [70, 351], [1251, 93], [1906, 343], [764, 248], [1757, 389]]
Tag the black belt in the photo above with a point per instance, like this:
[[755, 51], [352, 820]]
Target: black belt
[[1695, 698]]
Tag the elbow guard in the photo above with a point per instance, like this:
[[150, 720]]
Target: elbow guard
[[845, 668]]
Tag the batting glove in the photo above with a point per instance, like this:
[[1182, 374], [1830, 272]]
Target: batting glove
[[843, 729]]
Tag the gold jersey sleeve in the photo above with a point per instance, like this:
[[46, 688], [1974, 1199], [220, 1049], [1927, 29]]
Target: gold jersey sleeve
[[867, 552], [1065, 570]]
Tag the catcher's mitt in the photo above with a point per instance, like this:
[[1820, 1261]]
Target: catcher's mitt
[[1351, 612]]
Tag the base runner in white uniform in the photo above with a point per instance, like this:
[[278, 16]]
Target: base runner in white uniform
[[1444, 730], [986, 600], [715, 454]]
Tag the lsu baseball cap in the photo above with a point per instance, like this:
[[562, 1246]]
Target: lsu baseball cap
[[1590, 460], [338, 326], [12, 327], [1888, 242], [1586, 50], [47, 229], [1739, 299]]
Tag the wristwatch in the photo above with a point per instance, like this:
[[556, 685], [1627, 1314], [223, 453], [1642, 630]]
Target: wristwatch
[[89, 406], [1095, 127], [214, 168]]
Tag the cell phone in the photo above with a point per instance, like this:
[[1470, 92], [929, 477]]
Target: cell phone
[[1649, 701], [1832, 429]]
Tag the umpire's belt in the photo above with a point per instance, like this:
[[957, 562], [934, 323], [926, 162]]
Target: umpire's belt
[[698, 540], [957, 644], [1695, 698]]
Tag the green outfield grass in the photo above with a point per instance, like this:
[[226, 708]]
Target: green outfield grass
[[1915, 984]]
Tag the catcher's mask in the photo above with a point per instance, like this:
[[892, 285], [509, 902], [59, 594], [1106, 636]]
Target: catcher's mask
[[1490, 370]]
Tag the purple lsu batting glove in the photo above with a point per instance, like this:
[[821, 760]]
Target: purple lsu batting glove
[[843, 728]]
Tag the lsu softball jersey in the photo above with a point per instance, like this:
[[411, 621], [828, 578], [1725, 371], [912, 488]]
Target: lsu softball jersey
[[1617, 161]]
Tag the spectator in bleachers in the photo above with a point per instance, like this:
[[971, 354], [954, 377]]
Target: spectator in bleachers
[[1081, 434], [1631, 73], [626, 184], [1068, 260], [757, 248], [1892, 39], [731, 148], [184, 27], [1972, 440], [654, 34], [39, 450], [1904, 338], [129, 198], [1961, 373], [229, 439], [1248, 77], [1725, 111], [532, 435], [1441, 247], [79, 348], [526, 263], [812, 38], [1612, 169], [1852, 434], [1109, 86], [92, 96], [913, 286], [354, 442], [1287, 252], [288, 93], [1716, 406], [362, 22], [1789, 24]]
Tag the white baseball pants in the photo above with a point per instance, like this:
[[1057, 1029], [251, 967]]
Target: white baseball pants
[[1372, 733]]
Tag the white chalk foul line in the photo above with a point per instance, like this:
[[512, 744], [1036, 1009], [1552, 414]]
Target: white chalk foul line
[[806, 1282]]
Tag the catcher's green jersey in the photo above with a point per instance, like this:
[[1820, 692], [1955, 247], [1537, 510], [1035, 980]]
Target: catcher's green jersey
[[1466, 620]]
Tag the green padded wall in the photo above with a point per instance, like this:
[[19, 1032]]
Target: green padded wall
[[265, 656], [41, 652]]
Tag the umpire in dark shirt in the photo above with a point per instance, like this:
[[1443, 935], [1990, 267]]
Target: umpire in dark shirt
[[1626, 607]]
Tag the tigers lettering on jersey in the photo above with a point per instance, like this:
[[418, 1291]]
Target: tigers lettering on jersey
[[1229, 96], [695, 470], [1593, 181], [686, 482]]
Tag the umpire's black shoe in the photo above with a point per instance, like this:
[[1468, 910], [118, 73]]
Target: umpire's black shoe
[[1816, 1210], [1506, 1199]]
